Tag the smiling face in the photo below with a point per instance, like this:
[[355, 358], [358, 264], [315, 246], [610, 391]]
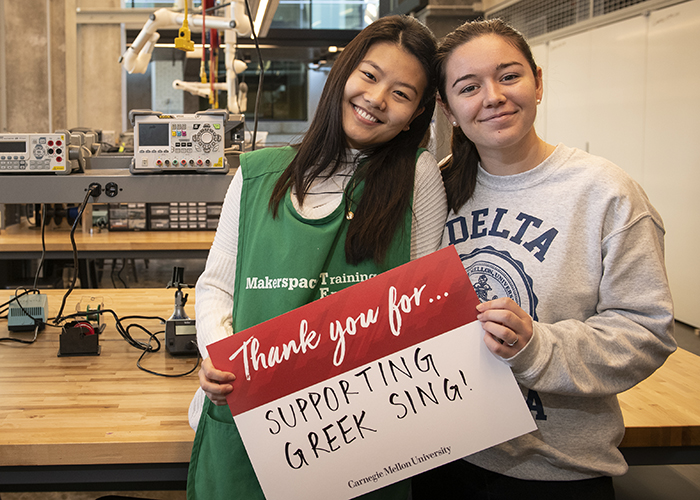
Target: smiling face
[[382, 96], [492, 94]]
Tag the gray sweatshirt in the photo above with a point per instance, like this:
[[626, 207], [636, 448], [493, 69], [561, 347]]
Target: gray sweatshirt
[[577, 244]]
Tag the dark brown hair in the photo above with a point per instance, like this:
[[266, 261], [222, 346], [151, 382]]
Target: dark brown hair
[[387, 169], [459, 172]]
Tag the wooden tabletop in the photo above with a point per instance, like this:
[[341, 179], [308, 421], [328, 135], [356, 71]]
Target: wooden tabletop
[[96, 409], [664, 410], [104, 410], [21, 239]]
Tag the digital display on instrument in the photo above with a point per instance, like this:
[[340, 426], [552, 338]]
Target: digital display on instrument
[[154, 134], [185, 329], [13, 146]]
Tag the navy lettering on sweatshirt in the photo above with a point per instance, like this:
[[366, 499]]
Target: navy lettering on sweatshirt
[[523, 229], [535, 404]]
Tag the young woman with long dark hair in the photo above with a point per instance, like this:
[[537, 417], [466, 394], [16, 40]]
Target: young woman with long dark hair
[[356, 197]]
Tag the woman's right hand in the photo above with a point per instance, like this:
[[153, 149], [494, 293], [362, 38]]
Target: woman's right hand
[[215, 383]]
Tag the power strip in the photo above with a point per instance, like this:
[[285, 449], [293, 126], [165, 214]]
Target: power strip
[[24, 311]]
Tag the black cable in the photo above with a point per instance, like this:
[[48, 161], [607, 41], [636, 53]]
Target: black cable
[[111, 273], [43, 243], [172, 375], [217, 7], [26, 292], [75, 254], [22, 341], [146, 347], [26, 214], [119, 273], [118, 324], [260, 80], [124, 331]]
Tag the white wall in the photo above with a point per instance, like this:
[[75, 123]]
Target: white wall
[[672, 146], [628, 92]]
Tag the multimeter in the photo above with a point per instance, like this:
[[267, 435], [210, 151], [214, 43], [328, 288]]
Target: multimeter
[[34, 154], [181, 336]]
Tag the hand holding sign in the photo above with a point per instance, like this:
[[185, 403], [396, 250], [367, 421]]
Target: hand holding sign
[[370, 385], [216, 384]]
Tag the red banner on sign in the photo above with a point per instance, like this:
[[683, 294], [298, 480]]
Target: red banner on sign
[[360, 324]]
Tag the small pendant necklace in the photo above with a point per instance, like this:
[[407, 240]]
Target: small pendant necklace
[[349, 214], [349, 193]]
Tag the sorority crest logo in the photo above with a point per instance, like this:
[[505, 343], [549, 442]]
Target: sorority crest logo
[[496, 274]]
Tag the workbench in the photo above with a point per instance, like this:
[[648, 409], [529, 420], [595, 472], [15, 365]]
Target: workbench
[[102, 423], [20, 242]]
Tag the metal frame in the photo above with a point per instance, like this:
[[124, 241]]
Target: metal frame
[[173, 476], [103, 477], [151, 188]]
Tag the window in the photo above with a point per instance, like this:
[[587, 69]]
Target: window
[[303, 14], [325, 14], [296, 43], [285, 90]]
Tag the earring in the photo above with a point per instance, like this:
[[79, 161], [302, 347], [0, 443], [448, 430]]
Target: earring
[[454, 124], [539, 101]]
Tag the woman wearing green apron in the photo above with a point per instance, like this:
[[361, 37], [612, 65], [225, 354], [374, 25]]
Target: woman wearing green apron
[[356, 197]]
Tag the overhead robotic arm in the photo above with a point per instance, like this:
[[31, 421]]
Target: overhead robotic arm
[[138, 55]]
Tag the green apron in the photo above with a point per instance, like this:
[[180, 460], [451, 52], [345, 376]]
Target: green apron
[[288, 250]]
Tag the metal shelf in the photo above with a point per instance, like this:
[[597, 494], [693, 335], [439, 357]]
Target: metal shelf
[[151, 188]]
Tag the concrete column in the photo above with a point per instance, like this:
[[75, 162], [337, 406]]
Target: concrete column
[[33, 69], [99, 75], [56, 74]]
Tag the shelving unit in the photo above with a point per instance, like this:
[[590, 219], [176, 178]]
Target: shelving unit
[[164, 188], [18, 242]]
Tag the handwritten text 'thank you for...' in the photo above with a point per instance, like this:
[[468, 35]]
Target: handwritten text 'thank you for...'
[[254, 357]]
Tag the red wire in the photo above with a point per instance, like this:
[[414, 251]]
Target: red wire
[[213, 72], [85, 325], [204, 30]]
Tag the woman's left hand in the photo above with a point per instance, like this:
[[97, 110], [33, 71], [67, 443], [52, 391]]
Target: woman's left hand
[[508, 328]]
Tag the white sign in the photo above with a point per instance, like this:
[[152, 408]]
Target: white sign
[[406, 413]]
